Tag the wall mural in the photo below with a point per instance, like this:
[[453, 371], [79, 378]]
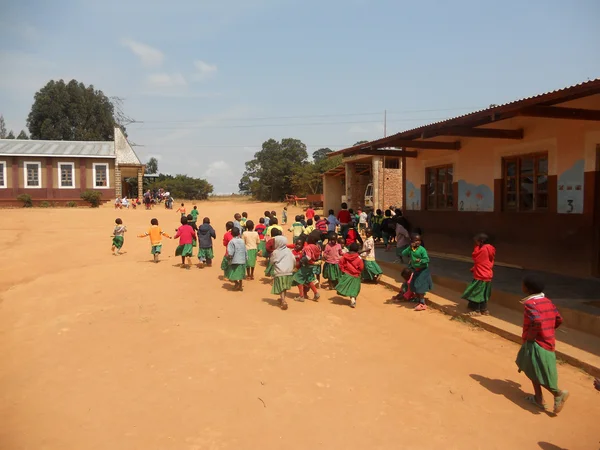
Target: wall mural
[[413, 197], [570, 189], [474, 198]]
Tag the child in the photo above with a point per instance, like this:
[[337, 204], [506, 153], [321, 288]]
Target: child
[[283, 263], [351, 266], [186, 236], [251, 240], [321, 224], [306, 273], [478, 293], [274, 225], [118, 237], [402, 240], [194, 212], [342, 243], [270, 245], [237, 256], [243, 221], [362, 221], [260, 229], [353, 218], [284, 216], [310, 213], [181, 210], [192, 224], [372, 270], [421, 282], [226, 238], [385, 229], [267, 218], [344, 219], [376, 225], [405, 292], [353, 236], [156, 234], [536, 357], [332, 255], [206, 234], [236, 222], [332, 222], [309, 228], [297, 229], [302, 220]]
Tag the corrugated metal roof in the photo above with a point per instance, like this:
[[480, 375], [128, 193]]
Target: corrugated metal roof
[[17, 147]]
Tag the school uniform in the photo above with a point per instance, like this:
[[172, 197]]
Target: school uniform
[[251, 239], [421, 281], [236, 250], [206, 234], [372, 270], [479, 291], [186, 236], [351, 266]]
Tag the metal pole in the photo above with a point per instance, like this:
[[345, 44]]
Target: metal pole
[[385, 123]]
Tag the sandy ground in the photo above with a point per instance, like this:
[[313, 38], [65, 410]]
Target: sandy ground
[[104, 352]]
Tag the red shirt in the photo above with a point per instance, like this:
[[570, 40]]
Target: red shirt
[[344, 216], [321, 225], [312, 252], [226, 238], [352, 264], [351, 237], [186, 234], [310, 213], [483, 259], [540, 321], [260, 229]]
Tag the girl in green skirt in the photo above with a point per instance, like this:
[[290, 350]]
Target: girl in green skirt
[[351, 266], [479, 291], [118, 236], [283, 263], [332, 254], [186, 236], [421, 281], [305, 277], [227, 237], [372, 271], [536, 357], [238, 257], [260, 229], [251, 239]]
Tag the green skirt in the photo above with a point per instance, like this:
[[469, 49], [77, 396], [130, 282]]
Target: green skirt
[[331, 272], [371, 271], [478, 291], [251, 261], [118, 241], [283, 283], [538, 364], [184, 250], [156, 249], [377, 230], [236, 272], [262, 248], [305, 275], [269, 270], [421, 282], [348, 286], [206, 253], [224, 264], [317, 269]]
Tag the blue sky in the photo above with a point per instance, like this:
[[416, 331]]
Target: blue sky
[[212, 80]]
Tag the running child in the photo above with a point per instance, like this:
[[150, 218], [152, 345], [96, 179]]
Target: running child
[[537, 356], [261, 229], [362, 221], [372, 270], [156, 234], [332, 255], [351, 266], [284, 216], [243, 221], [479, 291], [352, 236], [237, 257], [226, 238], [297, 229], [181, 210], [186, 236], [237, 222], [376, 225], [321, 224], [306, 273], [385, 229], [194, 212], [118, 237], [421, 282], [206, 234], [267, 218], [251, 240], [283, 263]]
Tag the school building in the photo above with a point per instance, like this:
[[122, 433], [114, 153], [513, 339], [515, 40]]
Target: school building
[[527, 173], [59, 171]]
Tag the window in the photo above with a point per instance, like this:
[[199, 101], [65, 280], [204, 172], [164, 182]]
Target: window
[[440, 194], [525, 182], [392, 163], [101, 179], [2, 174], [66, 175], [33, 175]]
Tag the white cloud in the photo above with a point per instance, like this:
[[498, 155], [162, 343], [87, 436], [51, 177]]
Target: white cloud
[[218, 168], [149, 56], [162, 80], [204, 70]]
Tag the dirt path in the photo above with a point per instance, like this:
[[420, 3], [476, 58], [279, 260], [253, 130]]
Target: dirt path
[[103, 352]]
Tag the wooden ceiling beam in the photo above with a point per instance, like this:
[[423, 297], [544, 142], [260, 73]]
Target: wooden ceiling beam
[[379, 152], [490, 133], [557, 112], [431, 145]]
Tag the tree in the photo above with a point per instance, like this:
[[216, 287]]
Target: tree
[[2, 127], [321, 154], [10, 135], [308, 178], [22, 135], [360, 142], [183, 186], [152, 166], [71, 112]]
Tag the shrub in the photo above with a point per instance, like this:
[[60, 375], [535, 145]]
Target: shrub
[[71, 204], [92, 197], [26, 199], [45, 204]]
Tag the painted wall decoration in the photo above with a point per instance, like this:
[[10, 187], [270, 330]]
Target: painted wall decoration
[[413, 197], [570, 189], [475, 198]]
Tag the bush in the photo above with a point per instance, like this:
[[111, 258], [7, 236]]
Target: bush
[[71, 204], [26, 199], [92, 197], [45, 204]]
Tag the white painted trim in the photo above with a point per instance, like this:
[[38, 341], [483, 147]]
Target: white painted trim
[[94, 165], [43, 155], [39, 164], [5, 184], [72, 164]]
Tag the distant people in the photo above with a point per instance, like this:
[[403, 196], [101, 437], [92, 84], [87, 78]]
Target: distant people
[[362, 221], [125, 203], [310, 213], [118, 203], [479, 291], [332, 222], [284, 216], [181, 210]]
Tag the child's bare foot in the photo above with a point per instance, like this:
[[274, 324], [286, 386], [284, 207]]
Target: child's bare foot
[[317, 297], [352, 302]]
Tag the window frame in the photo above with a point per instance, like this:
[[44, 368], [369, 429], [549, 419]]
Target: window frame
[[4, 184], [58, 169], [536, 156], [94, 166], [39, 166], [394, 160], [450, 188]]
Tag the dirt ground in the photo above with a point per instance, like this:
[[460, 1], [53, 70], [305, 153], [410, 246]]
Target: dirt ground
[[104, 352]]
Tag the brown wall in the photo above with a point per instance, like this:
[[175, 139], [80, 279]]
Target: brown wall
[[392, 187]]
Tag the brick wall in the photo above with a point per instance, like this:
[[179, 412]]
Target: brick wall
[[392, 187]]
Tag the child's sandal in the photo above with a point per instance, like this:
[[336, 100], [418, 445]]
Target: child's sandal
[[531, 399], [559, 402]]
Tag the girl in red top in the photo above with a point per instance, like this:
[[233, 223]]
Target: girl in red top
[[352, 266], [260, 229], [344, 219], [305, 276], [478, 293], [353, 236], [226, 238]]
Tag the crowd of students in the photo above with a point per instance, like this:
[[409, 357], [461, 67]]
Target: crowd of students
[[333, 248]]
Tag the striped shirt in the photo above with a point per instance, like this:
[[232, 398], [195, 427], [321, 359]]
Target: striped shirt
[[540, 321]]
